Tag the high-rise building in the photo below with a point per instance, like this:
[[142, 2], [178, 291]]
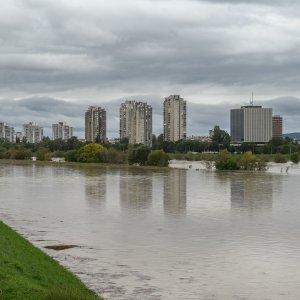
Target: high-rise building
[[174, 118], [7, 133], [32, 133], [95, 124], [136, 122], [277, 126], [61, 131], [251, 124]]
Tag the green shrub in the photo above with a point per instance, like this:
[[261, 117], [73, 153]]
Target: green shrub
[[279, 158], [295, 157], [158, 158], [139, 155], [71, 155], [225, 161], [92, 153], [116, 157]]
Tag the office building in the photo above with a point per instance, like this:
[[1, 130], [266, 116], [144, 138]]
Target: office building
[[251, 124], [32, 133], [95, 124], [174, 118], [277, 126], [61, 131], [136, 122], [7, 133]]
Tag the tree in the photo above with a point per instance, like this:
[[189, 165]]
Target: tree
[[158, 158], [221, 137], [92, 153], [139, 155]]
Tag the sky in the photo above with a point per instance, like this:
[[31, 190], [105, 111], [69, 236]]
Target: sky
[[59, 57]]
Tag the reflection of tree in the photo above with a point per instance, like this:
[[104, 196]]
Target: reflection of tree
[[135, 189], [95, 186], [251, 191], [175, 191]]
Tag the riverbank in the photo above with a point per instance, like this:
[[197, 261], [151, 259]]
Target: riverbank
[[28, 273]]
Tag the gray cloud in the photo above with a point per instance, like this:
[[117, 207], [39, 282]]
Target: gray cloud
[[209, 51]]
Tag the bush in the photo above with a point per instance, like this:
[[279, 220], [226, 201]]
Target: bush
[[295, 157], [42, 154], [116, 157], [92, 153], [225, 161], [139, 155], [71, 155], [279, 158], [158, 158]]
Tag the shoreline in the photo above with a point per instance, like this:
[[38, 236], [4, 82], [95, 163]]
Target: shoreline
[[26, 272]]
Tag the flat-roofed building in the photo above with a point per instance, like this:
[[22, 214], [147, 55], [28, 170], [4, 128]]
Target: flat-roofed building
[[277, 126], [7, 133], [251, 124], [32, 133], [95, 124], [61, 131], [136, 122], [174, 118]]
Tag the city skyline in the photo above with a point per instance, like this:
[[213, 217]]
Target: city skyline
[[201, 118]]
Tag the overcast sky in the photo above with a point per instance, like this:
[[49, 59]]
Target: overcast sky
[[59, 57]]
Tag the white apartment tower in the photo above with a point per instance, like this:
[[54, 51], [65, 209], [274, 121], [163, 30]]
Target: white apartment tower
[[251, 124], [7, 133], [174, 118], [95, 124], [32, 133], [136, 122], [61, 131]]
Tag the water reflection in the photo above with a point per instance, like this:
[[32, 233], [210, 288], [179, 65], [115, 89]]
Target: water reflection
[[95, 186], [175, 191], [250, 193], [135, 189]]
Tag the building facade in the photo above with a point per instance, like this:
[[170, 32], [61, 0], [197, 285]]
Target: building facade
[[95, 124], [277, 126], [32, 133], [136, 122], [7, 133], [61, 131], [251, 124], [174, 118]]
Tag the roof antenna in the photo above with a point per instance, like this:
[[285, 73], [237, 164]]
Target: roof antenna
[[251, 100]]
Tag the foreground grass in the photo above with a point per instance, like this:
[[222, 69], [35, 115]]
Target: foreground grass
[[28, 273]]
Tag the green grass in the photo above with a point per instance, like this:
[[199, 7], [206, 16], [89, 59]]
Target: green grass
[[28, 273]]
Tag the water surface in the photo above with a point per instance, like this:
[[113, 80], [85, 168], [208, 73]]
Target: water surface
[[164, 234]]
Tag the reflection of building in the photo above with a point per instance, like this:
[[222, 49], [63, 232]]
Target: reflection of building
[[61, 131], [174, 118], [95, 186], [32, 133], [135, 189], [252, 191], [95, 124], [7, 133], [175, 191], [277, 126], [136, 122], [251, 124]]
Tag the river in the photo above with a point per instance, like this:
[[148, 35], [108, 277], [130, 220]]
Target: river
[[166, 233]]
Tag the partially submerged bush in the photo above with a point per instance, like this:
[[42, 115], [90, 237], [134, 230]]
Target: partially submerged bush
[[158, 158], [279, 158], [295, 157]]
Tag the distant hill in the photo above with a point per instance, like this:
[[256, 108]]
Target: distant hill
[[293, 135]]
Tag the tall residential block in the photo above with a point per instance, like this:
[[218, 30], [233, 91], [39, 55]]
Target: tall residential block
[[95, 124], [7, 133], [174, 118], [32, 133], [251, 124], [61, 131], [277, 126], [136, 122]]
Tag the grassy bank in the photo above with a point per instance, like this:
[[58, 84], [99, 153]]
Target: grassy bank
[[28, 273]]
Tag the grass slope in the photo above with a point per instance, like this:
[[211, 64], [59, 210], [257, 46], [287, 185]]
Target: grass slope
[[28, 273]]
